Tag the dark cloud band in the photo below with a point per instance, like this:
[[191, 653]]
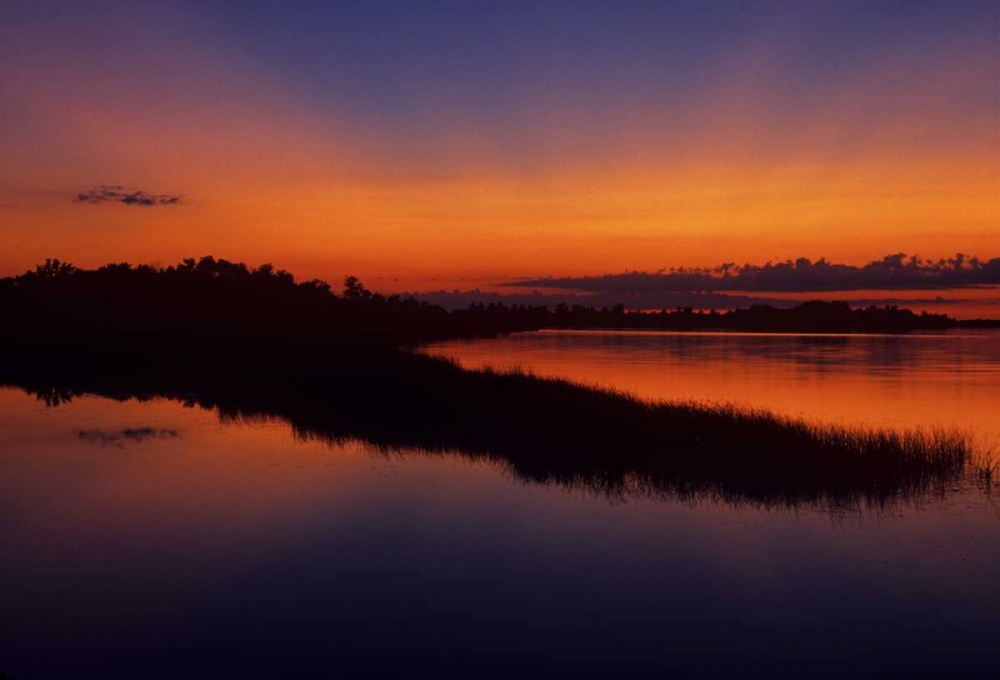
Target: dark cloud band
[[893, 272], [118, 194]]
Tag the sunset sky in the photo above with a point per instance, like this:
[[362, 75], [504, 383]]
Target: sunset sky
[[412, 143]]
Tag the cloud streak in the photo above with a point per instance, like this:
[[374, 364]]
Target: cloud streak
[[131, 434], [119, 194], [893, 272]]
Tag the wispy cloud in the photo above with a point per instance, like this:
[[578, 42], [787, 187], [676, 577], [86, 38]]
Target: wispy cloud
[[119, 194], [131, 434]]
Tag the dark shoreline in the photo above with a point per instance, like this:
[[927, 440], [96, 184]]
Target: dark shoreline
[[542, 430], [222, 304], [814, 317], [256, 343]]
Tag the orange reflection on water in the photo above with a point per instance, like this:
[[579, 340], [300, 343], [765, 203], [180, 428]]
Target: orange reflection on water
[[951, 380], [221, 489]]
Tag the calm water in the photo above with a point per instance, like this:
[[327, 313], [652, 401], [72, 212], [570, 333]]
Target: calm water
[[147, 539], [950, 380]]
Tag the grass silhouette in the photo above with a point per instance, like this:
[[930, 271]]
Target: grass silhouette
[[543, 430], [254, 343]]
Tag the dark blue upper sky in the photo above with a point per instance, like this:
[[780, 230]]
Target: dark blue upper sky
[[386, 56]]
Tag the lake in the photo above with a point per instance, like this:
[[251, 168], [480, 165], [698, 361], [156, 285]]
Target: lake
[[156, 539], [916, 380]]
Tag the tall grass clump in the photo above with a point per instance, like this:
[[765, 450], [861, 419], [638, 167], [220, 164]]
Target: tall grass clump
[[543, 430]]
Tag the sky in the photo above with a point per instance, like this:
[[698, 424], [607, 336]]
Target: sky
[[434, 143]]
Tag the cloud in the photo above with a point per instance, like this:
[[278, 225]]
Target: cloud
[[119, 194], [893, 272], [130, 434]]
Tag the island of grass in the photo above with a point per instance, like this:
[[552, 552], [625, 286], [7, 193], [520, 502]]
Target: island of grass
[[253, 343]]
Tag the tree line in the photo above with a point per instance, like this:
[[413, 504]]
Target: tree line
[[215, 302]]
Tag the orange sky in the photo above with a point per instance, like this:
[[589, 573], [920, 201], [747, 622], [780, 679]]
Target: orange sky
[[901, 155]]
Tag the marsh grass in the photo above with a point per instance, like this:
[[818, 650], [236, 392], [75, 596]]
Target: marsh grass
[[985, 462], [730, 451], [541, 430]]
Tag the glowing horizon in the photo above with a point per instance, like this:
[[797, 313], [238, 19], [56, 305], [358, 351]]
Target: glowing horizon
[[518, 143]]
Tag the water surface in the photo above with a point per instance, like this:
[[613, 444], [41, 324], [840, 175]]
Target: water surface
[[150, 539], [914, 380]]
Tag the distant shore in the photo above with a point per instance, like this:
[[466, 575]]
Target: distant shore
[[814, 317], [216, 303], [255, 343]]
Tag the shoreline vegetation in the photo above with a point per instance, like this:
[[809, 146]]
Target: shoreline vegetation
[[541, 430], [253, 343], [221, 303]]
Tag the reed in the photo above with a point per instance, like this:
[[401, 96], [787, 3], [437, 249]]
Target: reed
[[541, 430]]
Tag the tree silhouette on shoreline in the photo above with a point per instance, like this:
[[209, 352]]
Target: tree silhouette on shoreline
[[216, 302]]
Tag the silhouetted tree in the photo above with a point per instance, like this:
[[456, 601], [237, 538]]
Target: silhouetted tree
[[355, 290]]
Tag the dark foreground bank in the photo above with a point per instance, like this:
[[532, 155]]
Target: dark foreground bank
[[541, 430], [222, 304]]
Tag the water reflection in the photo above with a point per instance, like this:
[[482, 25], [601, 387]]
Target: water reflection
[[951, 380], [602, 445], [234, 550], [126, 435]]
